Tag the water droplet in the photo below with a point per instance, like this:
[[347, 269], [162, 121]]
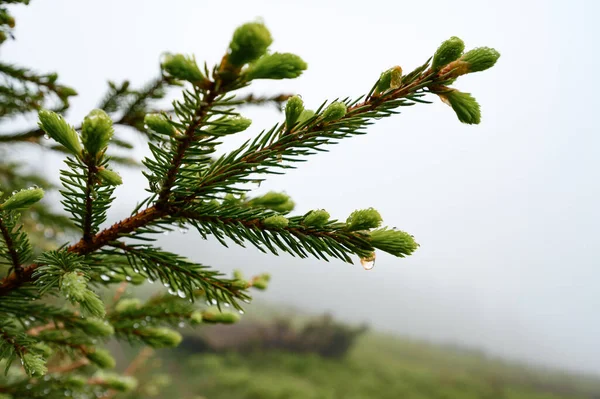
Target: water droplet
[[241, 311], [368, 262], [180, 294], [104, 277], [151, 281], [213, 301], [166, 233], [128, 278], [171, 291], [167, 285], [226, 304], [181, 324]]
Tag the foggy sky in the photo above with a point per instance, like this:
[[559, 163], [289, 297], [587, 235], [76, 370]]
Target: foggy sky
[[506, 212]]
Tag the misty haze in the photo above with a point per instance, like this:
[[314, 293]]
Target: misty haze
[[505, 212]]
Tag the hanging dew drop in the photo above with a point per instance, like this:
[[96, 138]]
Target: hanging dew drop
[[128, 278], [180, 294], [181, 324], [104, 277], [368, 262]]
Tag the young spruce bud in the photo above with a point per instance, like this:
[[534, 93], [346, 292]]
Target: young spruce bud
[[184, 68], [101, 358], [279, 202], [58, 129], [214, 315], [22, 199], [275, 222], [449, 51], [34, 364], [293, 110], [464, 105], [306, 115], [249, 42], [127, 305], [109, 177], [160, 124], [480, 59], [96, 327], [118, 382], [228, 125], [363, 219], [334, 111], [316, 218], [96, 131], [390, 79], [195, 318], [395, 242], [159, 337], [276, 66]]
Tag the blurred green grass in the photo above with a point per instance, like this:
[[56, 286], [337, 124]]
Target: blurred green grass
[[378, 366]]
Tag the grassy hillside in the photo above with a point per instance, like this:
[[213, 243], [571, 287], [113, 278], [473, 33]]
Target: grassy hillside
[[377, 367]]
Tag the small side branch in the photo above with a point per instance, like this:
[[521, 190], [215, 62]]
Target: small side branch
[[10, 245]]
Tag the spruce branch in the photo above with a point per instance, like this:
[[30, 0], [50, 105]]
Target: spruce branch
[[10, 247]]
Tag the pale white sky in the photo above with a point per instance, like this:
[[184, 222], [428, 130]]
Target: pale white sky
[[506, 212]]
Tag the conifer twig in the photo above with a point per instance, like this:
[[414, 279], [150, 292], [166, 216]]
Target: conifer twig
[[18, 269]]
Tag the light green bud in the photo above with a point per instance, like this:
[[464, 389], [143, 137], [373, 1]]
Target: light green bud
[[96, 327], [73, 286], [121, 383], [449, 51], [316, 218], [75, 381], [34, 364], [195, 318], [249, 42], [184, 68], [293, 110], [260, 284], [159, 337], [334, 111], [22, 199], [96, 131], [276, 222], [395, 242], [464, 105], [390, 79], [279, 202], [44, 350], [363, 219], [101, 358], [306, 115], [59, 130], [276, 66], [160, 124], [229, 125], [109, 177], [480, 59], [128, 305], [213, 315]]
